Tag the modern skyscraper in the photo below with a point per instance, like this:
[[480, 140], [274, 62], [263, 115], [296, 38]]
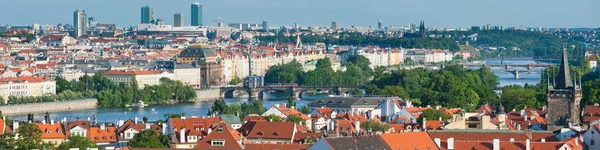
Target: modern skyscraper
[[413, 27], [178, 20], [335, 25], [80, 23], [147, 14], [265, 26], [196, 14], [379, 24], [563, 98]]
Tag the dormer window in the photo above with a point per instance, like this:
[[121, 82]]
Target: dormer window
[[59, 131], [197, 129], [217, 142], [220, 129], [47, 131]]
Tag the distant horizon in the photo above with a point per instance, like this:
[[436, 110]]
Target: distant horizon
[[436, 13]]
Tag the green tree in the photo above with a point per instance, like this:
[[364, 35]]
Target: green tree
[[372, 125], [291, 102], [273, 118], [30, 137], [304, 109], [235, 81], [517, 97], [149, 139], [433, 114], [295, 119], [78, 142], [8, 141]]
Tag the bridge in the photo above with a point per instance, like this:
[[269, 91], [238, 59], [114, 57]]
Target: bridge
[[292, 90]]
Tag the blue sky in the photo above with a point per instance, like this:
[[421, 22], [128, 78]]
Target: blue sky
[[435, 13]]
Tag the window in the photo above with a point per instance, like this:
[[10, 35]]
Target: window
[[472, 125], [592, 142], [217, 143]]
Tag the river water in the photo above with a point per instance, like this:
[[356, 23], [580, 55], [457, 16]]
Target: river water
[[155, 112]]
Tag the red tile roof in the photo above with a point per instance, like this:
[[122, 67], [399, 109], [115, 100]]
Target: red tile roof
[[103, 136], [272, 130], [277, 146], [418, 140], [225, 132], [51, 131], [133, 72], [195, 126], [290, 111], [2, 125], [591, 113]]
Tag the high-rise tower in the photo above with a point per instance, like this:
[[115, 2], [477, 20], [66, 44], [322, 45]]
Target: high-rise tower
[[80, 23], [563, 98], [147, 14], [178, 20], [379, 24], [196, 14]]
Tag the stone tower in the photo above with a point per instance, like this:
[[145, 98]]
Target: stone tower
[[563, 99]]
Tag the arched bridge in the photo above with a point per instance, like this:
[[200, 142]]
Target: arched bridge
[[293, 90]]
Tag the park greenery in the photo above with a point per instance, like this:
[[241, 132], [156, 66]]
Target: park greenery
[[452, 86], [64, 95], [77, 142], [149, 139], [432, 114], [357, 73], [29, 137], [113, 94], [221, 107], [358, 39]]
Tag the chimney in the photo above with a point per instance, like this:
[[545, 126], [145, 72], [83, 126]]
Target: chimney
[[182, 135], [182, 118], [102, 127], [209, 131], [496, 144], [437, 142], [293, 107], [335, 126], [15, 125], [527, 144], [424, 123], [147, 125], [543, 140], [512, 139], [357, 126], [164, 128], [450, 143], [52, 122], [576, 141], [44, 121], [135, 120]]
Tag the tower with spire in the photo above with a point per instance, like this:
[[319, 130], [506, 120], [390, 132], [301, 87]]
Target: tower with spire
[[563, 98], [422, 29]]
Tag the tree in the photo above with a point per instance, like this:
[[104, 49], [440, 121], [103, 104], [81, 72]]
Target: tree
[[432, 114], [77, 142], [517, 97], [372, 125], [295, 119], [29, 137], [235, 81], [273, 118], [291, 102], [8, 141], [149, 139], [304, 109]]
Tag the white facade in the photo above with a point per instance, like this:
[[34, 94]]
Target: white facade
[[591, 137]]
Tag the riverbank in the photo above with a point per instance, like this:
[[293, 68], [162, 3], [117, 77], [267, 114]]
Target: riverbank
[[70, 105]]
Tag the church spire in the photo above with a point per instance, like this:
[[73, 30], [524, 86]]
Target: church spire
[[564, 75]]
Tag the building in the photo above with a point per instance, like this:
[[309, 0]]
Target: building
[[147, 14], [187, 132], [196, 14], [282, 111], [143, 77], [379, 24], [178, 20], [591, 136], [346, 143], [188, 74], [422, 30], [263, 132], [563, 99], [478, 120], [499, 140], [80, 23], [223, 137], [26, 86], [211, 70], [412, 27], [265, 26], [593, 61], [52, 132], [335, 25], [350, 104], [424, 141]]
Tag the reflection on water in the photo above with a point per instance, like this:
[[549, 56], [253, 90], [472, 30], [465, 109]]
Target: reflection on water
[[155, 112]]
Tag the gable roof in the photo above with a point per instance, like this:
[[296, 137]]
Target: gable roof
[[362, 142], [591, 113], [98, 135], [272, 130], [225, 132], [423, 142], [51, 131]]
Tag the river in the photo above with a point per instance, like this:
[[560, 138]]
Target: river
[[155, 112]]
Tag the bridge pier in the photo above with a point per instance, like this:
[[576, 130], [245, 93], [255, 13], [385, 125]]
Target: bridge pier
[[517, 74], [253, 93]]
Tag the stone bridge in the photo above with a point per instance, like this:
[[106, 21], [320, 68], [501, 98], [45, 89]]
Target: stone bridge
[[293, 90]]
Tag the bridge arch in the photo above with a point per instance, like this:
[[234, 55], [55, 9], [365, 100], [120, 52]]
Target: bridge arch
[[261, 92], [231, 92]]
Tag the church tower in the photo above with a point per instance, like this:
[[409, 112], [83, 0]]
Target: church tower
[[563, 98], [422, 29]]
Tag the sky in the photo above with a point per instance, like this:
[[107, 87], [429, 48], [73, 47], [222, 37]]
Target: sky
[[435, 13]]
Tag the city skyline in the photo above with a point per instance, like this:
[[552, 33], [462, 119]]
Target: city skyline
[[461, 14]]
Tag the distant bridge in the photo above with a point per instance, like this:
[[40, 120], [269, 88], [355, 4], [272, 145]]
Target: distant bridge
[[293, 90]]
